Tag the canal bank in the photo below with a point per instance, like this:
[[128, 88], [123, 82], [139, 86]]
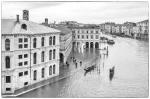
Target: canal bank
[[130, 58], [65, 72]]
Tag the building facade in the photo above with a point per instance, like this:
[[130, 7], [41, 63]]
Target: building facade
[[90, 37], [65, 42], [109, 27], [143, 32], [30, 54], [118, 28]]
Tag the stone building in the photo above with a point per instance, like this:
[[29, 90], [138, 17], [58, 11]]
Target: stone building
[[143, 29], [118, 28], [109, 27], [30, 53], [65, 42], [88, 36], [65, 39]]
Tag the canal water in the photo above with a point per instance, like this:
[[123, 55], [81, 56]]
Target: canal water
[[130, 79]]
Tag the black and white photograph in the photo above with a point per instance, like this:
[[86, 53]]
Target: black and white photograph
[[74, 49]]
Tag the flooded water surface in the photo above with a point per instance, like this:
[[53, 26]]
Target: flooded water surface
[[130, 78]]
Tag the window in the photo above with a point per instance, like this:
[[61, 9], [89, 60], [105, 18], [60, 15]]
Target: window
[[20, 40], [20, 74], [43, 72], [34, 75], [8, 89], [91, 31], [54, 69], [53, 40], [96, 36], [50, 40], [78, 36], [78, 31], [20, 45], [26, 83], [87, 31], [7, 61], [91, 36], [42, 56], [25, 55], [73, 31], [34, 43], [34, 58], [20, 63], [26, 73], [7, 44], [8, 79], [96, 31], [50, 54], [25, 45], [26, 63], [82, 31], [42, 41], [54, 51], [20, 56], [25, 39], [82, 36], [24, 26], [87, 36], [50, 70]]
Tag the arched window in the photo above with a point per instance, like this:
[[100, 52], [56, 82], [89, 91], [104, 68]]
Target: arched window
[[50, 70], [35, 75], [34, 58], [50, 40], [42, 41], [54, 40], [54, 67], [50, 54], [34, 43], [7, 61], [54, 51], [43, 70], [24, 26], [7, 44], [42, 56]]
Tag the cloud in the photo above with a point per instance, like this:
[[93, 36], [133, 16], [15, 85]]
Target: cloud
[[85, 12]]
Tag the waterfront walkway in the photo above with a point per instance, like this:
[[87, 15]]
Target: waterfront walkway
[[64, 73]]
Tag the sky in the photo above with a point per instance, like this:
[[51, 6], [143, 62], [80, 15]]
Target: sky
[[82, 12]]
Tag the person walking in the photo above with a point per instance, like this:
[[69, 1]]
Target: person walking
[[80, 63]]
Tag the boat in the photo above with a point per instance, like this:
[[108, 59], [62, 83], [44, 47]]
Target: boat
[[90, 68], [111, 42]]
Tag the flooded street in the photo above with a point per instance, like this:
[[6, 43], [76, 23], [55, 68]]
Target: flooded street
[[130, 58]]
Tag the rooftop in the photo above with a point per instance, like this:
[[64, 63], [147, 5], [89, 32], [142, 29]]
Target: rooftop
[[64, 30], [11, 26], [86, 27]]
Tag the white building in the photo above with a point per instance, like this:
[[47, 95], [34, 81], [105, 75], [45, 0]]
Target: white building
[[118, 28], [65, 42], [143, 29], [87, 36], [30, 53]]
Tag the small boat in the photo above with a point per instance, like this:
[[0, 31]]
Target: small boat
[[111, 73], [111, 42], [89, 68]]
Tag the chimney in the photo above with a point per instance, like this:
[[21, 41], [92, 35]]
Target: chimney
[[26, 15], [46, 21], [17, 18]]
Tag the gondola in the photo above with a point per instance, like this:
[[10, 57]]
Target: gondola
[[111, 42]]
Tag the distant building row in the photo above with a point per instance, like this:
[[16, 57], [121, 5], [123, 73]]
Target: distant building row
[[137, 30]]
